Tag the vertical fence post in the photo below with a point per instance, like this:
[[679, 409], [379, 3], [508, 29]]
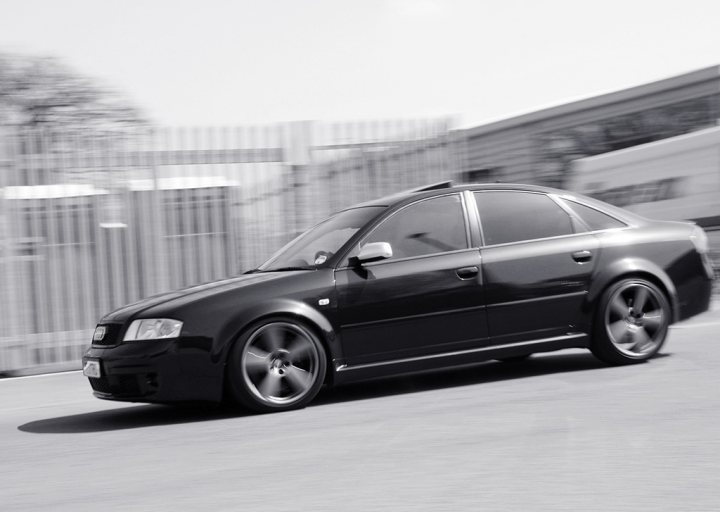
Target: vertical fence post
[[7, 330], [298, 153]]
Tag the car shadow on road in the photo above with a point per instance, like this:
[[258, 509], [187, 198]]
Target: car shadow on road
[[138, 416], [133, 416]]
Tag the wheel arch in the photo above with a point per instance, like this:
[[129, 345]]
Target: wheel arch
[[634, 267], [297, 311]]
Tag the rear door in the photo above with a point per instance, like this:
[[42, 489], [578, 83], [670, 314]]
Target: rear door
[[537, 265], [426, 298]]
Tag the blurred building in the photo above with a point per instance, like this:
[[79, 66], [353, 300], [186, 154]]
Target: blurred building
[[538, 147], [51, 236], [674, 179], [30, 158], [182, 231]]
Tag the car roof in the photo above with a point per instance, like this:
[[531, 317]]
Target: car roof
[[437, 189], [446, 187]]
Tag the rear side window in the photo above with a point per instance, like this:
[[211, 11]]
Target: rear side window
[[427, 227], [509, 216], [595, 219]]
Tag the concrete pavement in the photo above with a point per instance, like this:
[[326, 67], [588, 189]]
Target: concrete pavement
[[558, 432]]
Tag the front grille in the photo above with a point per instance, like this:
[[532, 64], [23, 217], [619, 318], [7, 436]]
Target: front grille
[[112, 336], [101, 385]]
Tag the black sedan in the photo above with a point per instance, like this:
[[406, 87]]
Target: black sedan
[[433, 278]]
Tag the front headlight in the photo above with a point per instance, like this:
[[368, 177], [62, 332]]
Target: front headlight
[[153, 329]]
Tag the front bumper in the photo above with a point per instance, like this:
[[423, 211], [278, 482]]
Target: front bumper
[[163, 371]]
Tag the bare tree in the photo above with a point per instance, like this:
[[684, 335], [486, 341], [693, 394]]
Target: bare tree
[[41, 93]]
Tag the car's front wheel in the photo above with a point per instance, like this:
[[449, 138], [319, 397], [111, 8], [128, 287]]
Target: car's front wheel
[[275, 366], [631, 323]]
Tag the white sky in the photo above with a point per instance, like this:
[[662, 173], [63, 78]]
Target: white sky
[[232, 62]]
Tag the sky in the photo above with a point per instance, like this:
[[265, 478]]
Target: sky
[[236, 62]]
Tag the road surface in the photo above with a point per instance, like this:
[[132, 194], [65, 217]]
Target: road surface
[[558, 432]]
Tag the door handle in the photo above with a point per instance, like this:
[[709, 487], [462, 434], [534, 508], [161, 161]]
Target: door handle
[[467, 272], [582, 256]]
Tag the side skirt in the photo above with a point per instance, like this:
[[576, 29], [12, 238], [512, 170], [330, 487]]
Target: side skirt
[[345, 373]]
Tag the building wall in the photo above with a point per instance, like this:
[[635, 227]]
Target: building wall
[[182, 236], [538, 147], [672, 179], [50, 263]]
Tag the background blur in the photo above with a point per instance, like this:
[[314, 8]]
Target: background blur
[[102, 204]]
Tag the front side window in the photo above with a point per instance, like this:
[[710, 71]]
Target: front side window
[[427, 227], [509, 216]]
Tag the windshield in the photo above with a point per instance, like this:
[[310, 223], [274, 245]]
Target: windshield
[[316, 246]]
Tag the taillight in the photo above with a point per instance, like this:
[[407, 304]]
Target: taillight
[[702, 246], [700, 240]]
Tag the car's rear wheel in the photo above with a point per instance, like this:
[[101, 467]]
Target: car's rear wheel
[[632, 322], [275, 366]]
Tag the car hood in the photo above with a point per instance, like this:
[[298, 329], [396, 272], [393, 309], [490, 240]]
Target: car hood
[[193, 293]]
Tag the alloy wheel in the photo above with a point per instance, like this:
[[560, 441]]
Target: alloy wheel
[[280, 363], [635, 320]]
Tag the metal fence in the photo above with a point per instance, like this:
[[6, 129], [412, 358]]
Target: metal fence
[[89, 222]]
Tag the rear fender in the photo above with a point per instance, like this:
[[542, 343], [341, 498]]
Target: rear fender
[[629, 267]]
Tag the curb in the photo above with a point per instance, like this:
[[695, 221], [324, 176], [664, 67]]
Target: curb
[[42, 369]]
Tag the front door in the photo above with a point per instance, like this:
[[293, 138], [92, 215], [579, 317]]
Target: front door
[[425, 299]]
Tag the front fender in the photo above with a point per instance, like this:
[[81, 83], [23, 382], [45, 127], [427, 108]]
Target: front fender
[[632, 266], [232, 329]]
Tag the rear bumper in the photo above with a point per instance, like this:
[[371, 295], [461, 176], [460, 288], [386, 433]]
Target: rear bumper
[[155, 371], [694, 297]]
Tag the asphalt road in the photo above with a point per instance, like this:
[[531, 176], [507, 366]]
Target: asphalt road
[[558, 432]]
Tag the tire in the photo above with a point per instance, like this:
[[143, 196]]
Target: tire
[[631, 322], [277, 365]]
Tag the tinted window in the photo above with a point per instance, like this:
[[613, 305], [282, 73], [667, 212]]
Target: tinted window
[[516, 216], [595, 219], [428, 227]]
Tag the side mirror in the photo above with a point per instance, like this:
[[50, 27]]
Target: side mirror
[[374, 251]]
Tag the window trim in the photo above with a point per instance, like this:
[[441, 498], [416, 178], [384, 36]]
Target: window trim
[[412, 258], [574, 217], [371, 230], [476, 232]]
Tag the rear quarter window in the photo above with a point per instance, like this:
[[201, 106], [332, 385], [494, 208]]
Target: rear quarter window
[[595, 219]]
